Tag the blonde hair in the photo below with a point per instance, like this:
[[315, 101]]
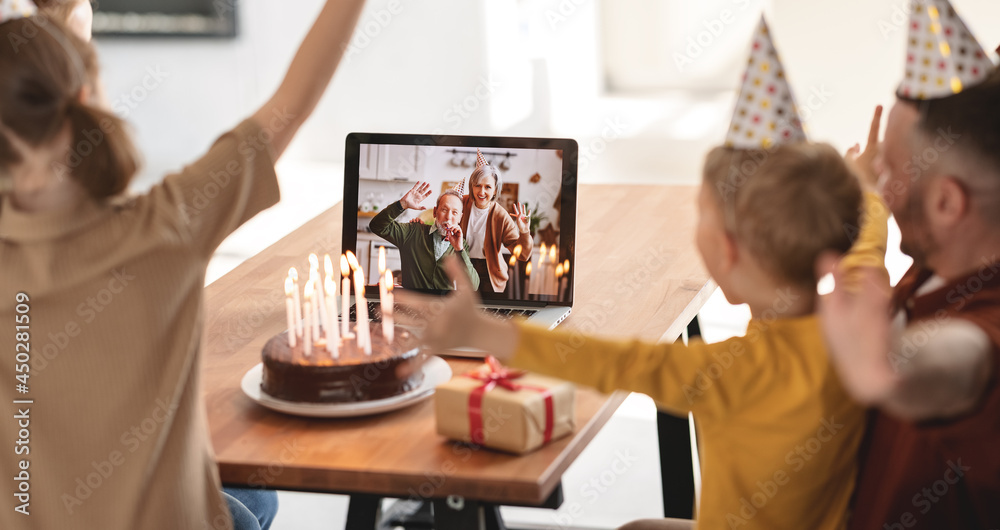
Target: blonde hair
[[787, 205]]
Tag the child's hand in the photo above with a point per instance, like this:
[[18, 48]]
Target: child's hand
[[868, 165], [857, 329], [455, 321], [417, 194]]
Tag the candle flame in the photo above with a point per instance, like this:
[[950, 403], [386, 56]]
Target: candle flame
[[328, 265], [388, 281], [353, 260], [293, 274], [344, 270], [288, 285], [527, 269], [313, 263], [330, 285], [559, 270], [566, 266], [517, 252], [381, 260], [513, 259], [310, 290], [552, 253]]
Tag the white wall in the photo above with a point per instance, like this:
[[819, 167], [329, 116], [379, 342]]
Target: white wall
[[517, 67], [408, 71]]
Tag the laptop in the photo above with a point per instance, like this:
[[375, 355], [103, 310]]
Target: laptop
[[540, 173]]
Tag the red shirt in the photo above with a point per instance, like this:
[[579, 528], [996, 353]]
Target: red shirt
[[940, 474]]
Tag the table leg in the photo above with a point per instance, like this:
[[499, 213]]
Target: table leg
[[363, 512], [676, 472]]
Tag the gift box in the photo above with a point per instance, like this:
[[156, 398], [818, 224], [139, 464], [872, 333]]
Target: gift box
[[505, 409]]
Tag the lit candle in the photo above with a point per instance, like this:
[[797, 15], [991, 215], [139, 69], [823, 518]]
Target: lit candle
[[387, 307], [332, 335], [294, 275], [551, 276], [307, 339], [320, 294], [353, 261], [345, 306], [527, 275], [381, 262], [361, 306], [290, 311], [515, 289], [559, 279], [330, 292], [313, 284]]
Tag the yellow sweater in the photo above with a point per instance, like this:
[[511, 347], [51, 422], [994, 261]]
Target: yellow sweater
[[778, 433]]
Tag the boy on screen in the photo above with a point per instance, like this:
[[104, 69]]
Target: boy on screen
[[422, 247]]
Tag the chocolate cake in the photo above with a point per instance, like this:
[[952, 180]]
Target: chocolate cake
[[390, 370]]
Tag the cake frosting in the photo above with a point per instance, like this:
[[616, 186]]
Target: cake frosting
[[390, 370]]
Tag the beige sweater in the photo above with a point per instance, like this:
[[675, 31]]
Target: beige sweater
[[117, 432], [501, 230]]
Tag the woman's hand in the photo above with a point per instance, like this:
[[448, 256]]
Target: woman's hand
[[455, 321], [417, 194], [868, 164], [521, 216]]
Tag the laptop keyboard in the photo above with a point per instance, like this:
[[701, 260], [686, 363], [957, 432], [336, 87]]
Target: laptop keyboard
[[375, 312]]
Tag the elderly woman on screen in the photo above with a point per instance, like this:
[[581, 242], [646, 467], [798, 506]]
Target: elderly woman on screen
[[488, 227]]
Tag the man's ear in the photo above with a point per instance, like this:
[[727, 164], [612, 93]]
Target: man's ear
[[949, 200]]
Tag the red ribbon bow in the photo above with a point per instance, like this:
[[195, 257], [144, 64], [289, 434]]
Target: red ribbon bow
[[498, 375]]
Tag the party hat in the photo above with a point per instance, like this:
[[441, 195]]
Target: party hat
[[460, 187], [15, 9], [942, 56], [480, 159], [765, 112]]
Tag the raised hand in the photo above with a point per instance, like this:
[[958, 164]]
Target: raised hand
[[868, 163], [521, 216], [455, 237], [455, 321], [417, 194], [858, 333]]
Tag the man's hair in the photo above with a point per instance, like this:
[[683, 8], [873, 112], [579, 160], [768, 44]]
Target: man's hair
[[969, 124], [786, 205], [446, 193]]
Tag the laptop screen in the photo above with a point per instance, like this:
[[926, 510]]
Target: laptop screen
[[513, 227]]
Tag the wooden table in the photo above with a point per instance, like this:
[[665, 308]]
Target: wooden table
[[638, 274]]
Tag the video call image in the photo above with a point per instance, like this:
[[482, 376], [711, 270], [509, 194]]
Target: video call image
[[497, 209]]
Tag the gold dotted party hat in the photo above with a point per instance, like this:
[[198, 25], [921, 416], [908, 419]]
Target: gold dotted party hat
[[15, 9], [942, 56], [480, 159], [765, 112]]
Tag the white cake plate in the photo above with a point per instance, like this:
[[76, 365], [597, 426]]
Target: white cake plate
[[436, 371]]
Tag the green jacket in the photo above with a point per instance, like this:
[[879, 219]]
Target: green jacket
[[416, 251]]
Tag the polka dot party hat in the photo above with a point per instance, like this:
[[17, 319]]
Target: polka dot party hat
[[15, 9], [765, 112], [480, 159], [942, 56]]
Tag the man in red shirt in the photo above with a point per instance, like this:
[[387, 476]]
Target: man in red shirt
[[930, 458]]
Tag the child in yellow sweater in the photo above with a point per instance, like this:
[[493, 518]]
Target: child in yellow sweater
[[778, 433]]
